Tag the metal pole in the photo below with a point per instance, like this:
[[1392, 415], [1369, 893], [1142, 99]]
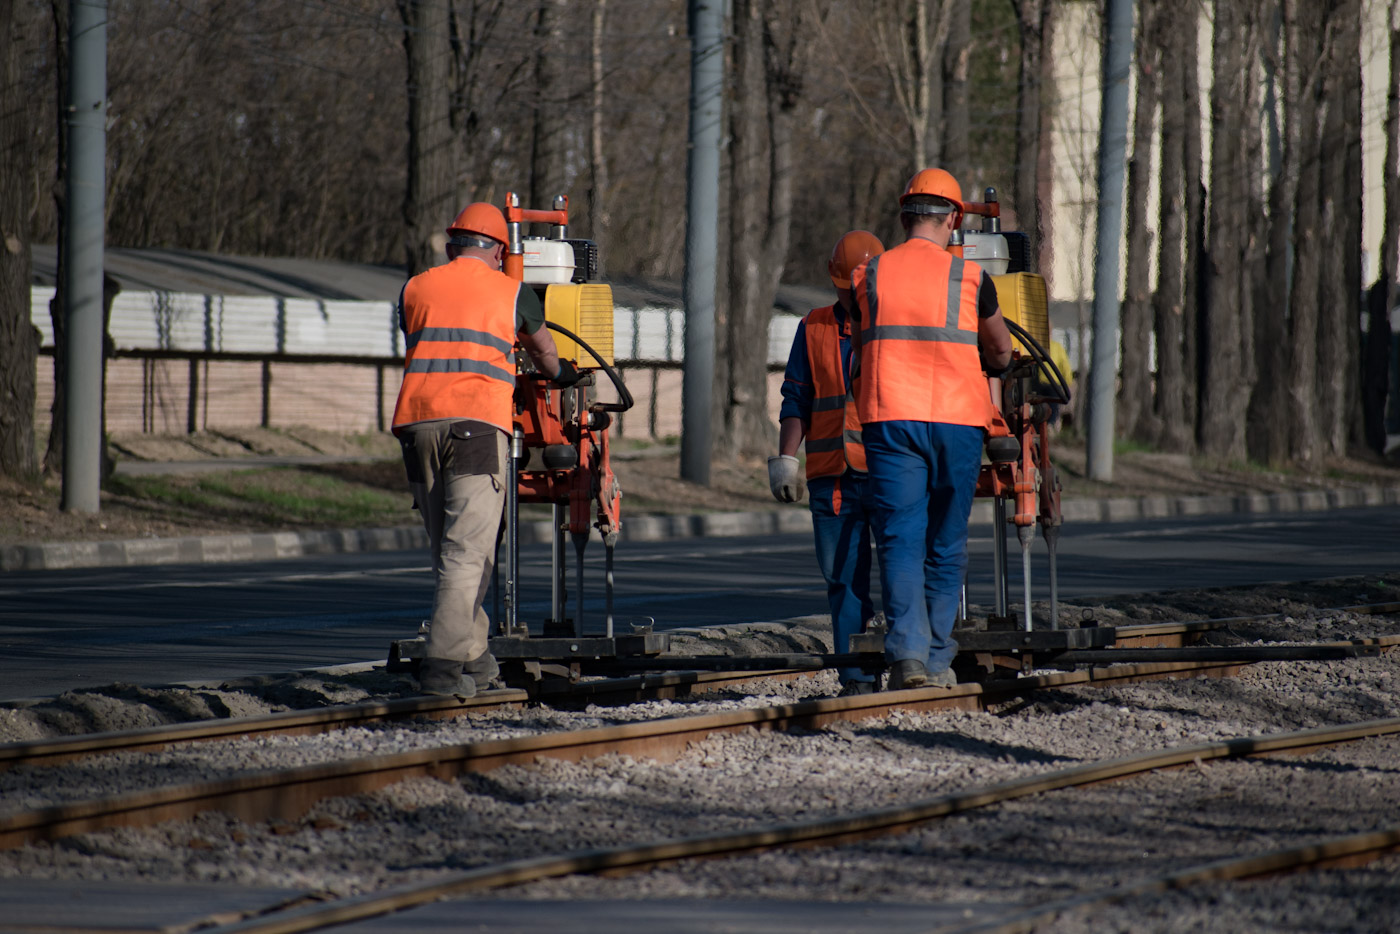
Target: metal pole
[[84, 241], [517, 450], [1113, 141], [702, 235], [999, 570]]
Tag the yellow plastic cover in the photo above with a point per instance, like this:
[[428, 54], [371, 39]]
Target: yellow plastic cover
[[587, 310], [1023, 299]]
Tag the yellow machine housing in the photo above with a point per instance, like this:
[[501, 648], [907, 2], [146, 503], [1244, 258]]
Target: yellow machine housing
[[587, 310], [1024, 300]]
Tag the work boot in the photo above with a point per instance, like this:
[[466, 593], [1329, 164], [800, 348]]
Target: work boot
[[442, 677], [942, 679], [907, 673], [856, 688], [483, 670]]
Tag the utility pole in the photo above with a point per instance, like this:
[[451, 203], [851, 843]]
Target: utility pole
[[701, 235], [84, 241], [1113, 144]]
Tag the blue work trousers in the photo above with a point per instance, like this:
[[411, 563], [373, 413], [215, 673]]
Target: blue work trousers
[[922, 479], [841, 526]]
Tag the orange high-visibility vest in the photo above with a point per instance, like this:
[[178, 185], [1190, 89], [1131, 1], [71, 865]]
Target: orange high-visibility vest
[[833, 435], [919, 359], [459, 359]]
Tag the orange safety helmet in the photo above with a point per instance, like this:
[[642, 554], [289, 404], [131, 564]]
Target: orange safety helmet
[[482, 219], [851, 250], [938, 182]]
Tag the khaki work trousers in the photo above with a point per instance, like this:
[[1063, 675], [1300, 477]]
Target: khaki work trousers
[[462, 514]]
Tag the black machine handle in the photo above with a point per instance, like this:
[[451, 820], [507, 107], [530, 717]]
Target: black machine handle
[[621, 387]]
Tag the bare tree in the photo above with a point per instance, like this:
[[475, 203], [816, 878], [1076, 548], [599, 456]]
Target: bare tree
[[52, 461], [1226, 368], [909, 38], [1269, 423], [1171, 322], [432, 147], [1338, 334], [1135, 408], [550, 111], [598, 219], [770, 46], [1306, 41], [1383, 295], [19, 339], [957, 64], [1034, 22]]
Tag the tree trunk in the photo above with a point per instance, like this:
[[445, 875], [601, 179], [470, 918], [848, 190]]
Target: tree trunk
[[597, 156], [1223, 380], [52, 463], [550, 126], [768, 52], [1195, 218], [1269, 410], [1033, 21], [1375, 368], [429, 200], [1135, 381], [1305, 45], [1169, 302], [1339, 315], [957, 124], [19, 339]]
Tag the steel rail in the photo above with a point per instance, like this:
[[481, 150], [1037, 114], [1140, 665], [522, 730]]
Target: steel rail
[[288, 793], [833, 830], [289, 722]]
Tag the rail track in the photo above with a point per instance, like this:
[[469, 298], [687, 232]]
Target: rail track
[[1134, 644], [845, 828], [288, 793]]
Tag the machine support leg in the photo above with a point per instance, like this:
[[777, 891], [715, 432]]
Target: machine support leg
[[557, 570], [580, 542], [1052, 540], [496, 589], [999, 554], [517, 450], [609, 542], [1026, 534]]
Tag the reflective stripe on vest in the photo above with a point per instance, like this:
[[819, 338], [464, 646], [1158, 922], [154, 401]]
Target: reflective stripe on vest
[[459, 359], [833, 435], [919, 357]]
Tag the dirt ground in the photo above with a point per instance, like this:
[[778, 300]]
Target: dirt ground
[[649, 477]]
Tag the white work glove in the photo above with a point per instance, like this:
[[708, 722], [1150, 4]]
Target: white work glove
[[785, 480]]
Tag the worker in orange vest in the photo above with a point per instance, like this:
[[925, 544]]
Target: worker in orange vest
[[461, 322], [818, 405], [928, 323]]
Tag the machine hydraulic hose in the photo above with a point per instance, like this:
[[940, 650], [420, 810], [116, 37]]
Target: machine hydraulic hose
[[621, 387]]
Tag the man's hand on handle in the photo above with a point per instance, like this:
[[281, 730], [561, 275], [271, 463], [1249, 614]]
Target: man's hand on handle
[[785, 479], [568, 373]]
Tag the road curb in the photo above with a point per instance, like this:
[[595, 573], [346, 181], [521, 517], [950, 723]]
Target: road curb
[[275, 545]]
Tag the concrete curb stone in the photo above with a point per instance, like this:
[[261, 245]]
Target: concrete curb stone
[[274, 545]]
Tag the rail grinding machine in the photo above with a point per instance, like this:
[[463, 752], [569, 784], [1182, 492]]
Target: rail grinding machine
[[559, 457]]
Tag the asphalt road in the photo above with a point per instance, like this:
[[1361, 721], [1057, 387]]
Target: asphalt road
[[152, 625]]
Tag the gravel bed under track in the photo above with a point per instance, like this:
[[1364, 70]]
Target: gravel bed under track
[[1029, 852]]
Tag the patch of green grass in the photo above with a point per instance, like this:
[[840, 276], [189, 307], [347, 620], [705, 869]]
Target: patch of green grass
[[1128, 446], [283, 496]]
